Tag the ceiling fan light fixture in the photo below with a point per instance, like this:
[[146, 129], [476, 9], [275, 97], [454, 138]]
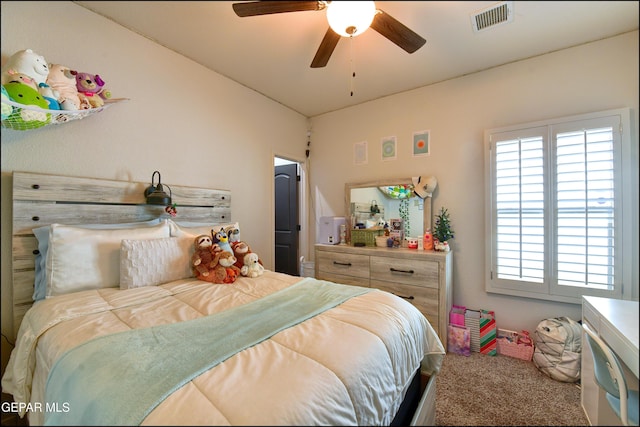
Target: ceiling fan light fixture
[[350, 18]]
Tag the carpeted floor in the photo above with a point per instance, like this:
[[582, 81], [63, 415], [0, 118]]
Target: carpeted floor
[[482, 390]]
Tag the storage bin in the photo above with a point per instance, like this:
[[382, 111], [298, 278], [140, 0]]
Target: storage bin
[[366, 236], [510, 343], [381, 241]]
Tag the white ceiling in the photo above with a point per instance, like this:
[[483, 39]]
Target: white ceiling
[[272, 53]]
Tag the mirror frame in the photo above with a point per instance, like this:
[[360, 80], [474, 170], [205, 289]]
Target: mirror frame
[[426, 214]]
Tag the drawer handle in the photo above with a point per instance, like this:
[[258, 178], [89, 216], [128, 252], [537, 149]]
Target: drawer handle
[[402, 296], [347, 264], [395, 270]]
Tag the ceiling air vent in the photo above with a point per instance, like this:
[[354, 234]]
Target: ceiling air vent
[[499, 13]]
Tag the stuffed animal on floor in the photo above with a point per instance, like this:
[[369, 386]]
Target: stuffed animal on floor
[[227, 260], [28, 63], [203, 259], [89, 88], [252, 266]]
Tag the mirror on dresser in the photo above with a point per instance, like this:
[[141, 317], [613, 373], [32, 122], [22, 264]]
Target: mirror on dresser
[[368, 202]]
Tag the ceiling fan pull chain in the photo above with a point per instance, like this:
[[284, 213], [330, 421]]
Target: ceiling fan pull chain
[[353, 73]]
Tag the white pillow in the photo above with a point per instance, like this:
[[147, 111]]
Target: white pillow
[[152, 262], [194, 229], [42, 234], [80, 258]]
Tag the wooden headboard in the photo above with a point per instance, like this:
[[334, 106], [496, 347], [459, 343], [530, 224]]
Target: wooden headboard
[[40, 200]]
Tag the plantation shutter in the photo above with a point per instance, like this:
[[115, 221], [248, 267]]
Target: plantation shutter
[[585, 206], [558, 226], [520, 207]]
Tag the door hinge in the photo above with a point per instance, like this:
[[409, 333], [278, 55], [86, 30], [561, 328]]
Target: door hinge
[[298, 178], [298, 227]]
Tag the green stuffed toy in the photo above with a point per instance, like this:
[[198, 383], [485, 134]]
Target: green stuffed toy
[[24, 118]]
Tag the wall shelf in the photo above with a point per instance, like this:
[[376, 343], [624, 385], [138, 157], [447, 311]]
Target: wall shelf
[[26, 117]]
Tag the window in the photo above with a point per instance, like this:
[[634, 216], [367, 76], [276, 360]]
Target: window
[[559, 208]]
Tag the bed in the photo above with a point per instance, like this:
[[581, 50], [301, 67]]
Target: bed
[[133, 339]]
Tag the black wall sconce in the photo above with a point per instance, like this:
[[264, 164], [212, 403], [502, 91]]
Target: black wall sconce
[[155, 193]]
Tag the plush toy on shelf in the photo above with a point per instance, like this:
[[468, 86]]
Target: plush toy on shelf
[[23, 117], [50, 95], [252, 266], [28, 63], [6, 108], [90, 86], [61, 80], [16, 76]]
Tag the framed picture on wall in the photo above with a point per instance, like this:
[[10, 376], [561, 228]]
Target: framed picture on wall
[[421, 143], [388, 146], [360, 153]]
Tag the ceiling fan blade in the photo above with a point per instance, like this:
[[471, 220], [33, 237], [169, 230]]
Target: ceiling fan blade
[[254, 8], [397, 32], [328, 44]]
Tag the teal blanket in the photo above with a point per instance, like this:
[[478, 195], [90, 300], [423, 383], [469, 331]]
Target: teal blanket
[[119, 379]]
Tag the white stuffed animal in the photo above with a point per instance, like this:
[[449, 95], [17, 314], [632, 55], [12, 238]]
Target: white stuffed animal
[[28, 63], [252, 266]]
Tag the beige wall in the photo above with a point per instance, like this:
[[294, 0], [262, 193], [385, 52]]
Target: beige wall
[[593, 77]]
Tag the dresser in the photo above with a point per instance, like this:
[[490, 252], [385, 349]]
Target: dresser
[[421, 277]]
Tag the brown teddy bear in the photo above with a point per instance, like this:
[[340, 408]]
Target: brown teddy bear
[[203, 259], [240, 249], [227, 261]]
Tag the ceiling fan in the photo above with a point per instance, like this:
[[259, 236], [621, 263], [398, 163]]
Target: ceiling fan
[[377, 19]]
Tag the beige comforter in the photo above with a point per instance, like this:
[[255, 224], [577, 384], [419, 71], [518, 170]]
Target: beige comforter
[[348, 365]]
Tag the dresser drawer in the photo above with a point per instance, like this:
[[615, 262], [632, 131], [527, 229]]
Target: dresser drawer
[[424, 299], [342, 279], [408, 271], [343, 264]]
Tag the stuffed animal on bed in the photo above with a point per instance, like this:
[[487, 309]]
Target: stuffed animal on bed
[[252, 266], [240, 249], [203, 259], [221, 239], [227, 260], [233, 234]]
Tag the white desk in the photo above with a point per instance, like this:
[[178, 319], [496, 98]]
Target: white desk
[[616, 322]]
